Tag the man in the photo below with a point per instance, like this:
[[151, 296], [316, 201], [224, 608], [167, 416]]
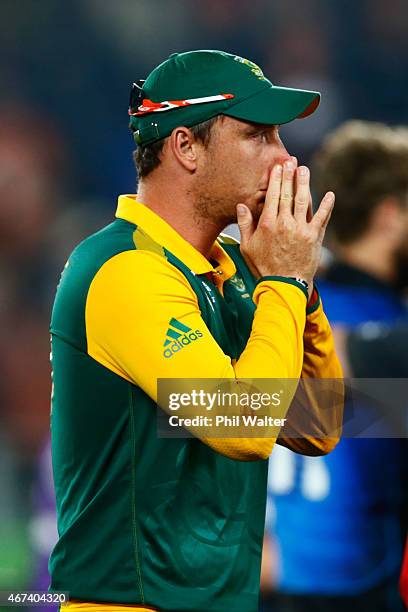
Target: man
[[176, 524], [352, 501]]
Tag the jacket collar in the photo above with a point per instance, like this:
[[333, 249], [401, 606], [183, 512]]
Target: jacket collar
[[132, 210]]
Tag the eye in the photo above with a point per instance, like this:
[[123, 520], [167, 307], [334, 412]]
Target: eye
[[261, 136]]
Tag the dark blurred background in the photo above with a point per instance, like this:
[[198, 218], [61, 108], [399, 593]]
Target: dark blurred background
[[65, 155]]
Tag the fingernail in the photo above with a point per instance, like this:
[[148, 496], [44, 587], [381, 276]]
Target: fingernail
[[294, 159], [289, 165], [278, 169], [241, 210], [303, 170]]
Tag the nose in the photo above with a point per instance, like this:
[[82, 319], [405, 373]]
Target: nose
[[279, 156], [282, 155]]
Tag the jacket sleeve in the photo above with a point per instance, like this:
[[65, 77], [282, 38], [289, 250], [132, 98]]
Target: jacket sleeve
[[314, 419], [135, 295]]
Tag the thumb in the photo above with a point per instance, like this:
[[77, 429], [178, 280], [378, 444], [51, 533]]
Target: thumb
[[245, 222]]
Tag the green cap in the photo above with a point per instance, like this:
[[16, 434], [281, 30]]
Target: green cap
[[191, 87]]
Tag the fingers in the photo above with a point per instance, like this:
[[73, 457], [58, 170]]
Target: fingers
[[302, 197], [309, 214], [325, 224], [271, 206], [245, 223], [286, 199], [295, 162], [246, 227], [323, 213]]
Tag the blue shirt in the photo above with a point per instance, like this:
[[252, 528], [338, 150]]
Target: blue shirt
[[337, 518]]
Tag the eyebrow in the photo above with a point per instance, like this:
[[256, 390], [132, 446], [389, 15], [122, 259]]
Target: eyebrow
[[259, 127]]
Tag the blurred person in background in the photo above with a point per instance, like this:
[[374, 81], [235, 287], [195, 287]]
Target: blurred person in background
[[376, 350], [337, 520]]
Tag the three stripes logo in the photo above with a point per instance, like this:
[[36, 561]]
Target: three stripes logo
[[178, 336]]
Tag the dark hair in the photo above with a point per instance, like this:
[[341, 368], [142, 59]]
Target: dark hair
[[363, 163], [148, 157]]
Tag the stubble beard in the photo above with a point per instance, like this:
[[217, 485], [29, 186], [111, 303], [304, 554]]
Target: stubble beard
[[212, 206], [214, 201]]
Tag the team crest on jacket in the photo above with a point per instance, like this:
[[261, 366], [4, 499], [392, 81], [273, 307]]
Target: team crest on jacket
[[238, 283]]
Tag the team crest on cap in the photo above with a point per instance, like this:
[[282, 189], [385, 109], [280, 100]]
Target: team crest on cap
[[254, 68]]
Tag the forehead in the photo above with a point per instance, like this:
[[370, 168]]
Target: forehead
[[239, 126]]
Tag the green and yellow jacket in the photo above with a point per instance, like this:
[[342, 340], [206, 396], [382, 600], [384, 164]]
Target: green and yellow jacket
[[158, 523]]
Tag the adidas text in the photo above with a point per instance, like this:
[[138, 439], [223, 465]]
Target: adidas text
[[181, 342]]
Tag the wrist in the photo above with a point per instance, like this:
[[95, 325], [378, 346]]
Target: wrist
[[301, 283]]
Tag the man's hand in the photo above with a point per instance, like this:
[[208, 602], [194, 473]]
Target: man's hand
[[287, 239]]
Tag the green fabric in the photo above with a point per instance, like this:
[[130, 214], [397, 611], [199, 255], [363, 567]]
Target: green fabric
[[311, 309], [167, 523], [203, 73], [285, 279]]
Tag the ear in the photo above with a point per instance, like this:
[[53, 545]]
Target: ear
[[184, 148]]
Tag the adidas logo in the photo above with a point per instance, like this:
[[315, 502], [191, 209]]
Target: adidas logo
[[178, 336]]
